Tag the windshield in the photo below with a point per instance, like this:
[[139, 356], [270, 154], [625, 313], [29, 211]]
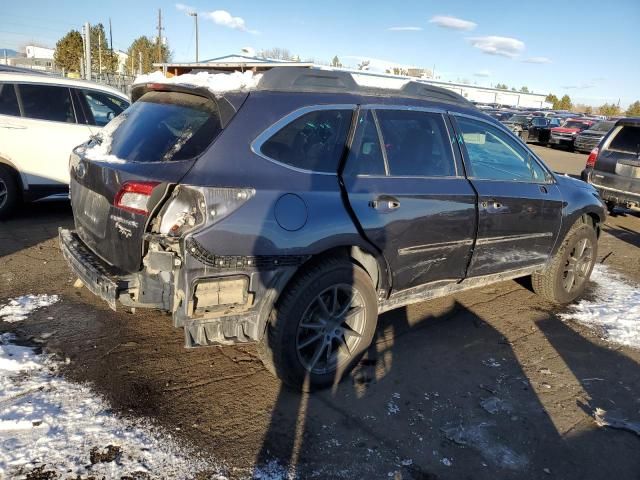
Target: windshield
[[574, 124], [163, 126], [602, 126], [519, 119]]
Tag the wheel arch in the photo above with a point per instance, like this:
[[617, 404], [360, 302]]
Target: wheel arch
[[22, 183]]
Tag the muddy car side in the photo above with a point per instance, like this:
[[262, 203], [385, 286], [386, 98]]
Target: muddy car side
[[294, 214]]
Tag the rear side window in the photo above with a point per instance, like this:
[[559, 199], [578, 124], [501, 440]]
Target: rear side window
[[163, 126], [365, 156], [47, 102], [103, 107], [315, 141], [416, 143], [627, 140], [8, 100]]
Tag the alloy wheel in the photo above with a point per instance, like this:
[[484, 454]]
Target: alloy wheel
[[331, 329], [4, 193], [578, 265]]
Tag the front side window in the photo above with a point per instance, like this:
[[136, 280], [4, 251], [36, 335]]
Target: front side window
[[365, 156], [315, 141], [8, 100], [494, 155], [47, 102], [103, 107], [416, 143]]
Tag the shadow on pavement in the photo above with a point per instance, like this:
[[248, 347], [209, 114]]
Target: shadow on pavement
[[33, 223]]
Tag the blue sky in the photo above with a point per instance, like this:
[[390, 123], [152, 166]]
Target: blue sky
[[588, 49]]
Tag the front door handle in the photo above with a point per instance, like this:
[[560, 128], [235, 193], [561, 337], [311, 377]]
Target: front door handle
[[492, 205], [385, 203]]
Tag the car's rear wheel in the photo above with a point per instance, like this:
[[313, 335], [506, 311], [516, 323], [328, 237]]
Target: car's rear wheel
[[9, 193], [321, 326], [567, 275]]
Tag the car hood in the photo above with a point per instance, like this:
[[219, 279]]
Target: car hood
[[565, 130]]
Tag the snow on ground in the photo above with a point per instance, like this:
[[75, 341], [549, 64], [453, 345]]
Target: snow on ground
[[614, 310], [19, 308], [68, 428], [216, 82]]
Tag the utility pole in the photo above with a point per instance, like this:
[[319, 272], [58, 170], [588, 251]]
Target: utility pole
[[160, 36], [99, 56], [87, 51], [195, 16], [110, 37], [133, 72]]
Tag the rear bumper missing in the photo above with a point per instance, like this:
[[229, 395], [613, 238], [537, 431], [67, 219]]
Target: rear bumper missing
[[102, 280]]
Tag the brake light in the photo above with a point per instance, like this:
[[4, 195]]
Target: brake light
[[134, 196], [593, 156]]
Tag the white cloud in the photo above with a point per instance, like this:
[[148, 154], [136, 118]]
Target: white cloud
[[482, 73], [184, 8], [494, 45], [219, 17], [404, 29], [537, 60], [454, 23]]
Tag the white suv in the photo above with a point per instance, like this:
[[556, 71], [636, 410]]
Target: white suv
[[42, 119]]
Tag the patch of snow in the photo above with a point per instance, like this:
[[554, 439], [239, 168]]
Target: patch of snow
[[272, 471], [47, 421], [19, 308], [376, 81], [392, 407], [217, 83], [446, 462], [614, 311], [101, 149]]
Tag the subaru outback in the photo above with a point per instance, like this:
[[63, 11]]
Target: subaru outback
[[292, 214]]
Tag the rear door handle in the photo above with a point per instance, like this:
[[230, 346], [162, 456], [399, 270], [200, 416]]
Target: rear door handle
[[14, 127], [385, 203]]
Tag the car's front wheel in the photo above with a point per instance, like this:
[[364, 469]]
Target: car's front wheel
[[321, 326], [567, 274], [9, 192]]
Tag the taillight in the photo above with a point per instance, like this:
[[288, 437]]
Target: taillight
[[593, 156], [190, 207], [134, 196]]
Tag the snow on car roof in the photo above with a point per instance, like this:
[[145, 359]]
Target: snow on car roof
[[216, 83]]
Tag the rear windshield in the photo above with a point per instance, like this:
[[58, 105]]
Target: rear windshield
[[627, 140], [164, 126], [519, 119]]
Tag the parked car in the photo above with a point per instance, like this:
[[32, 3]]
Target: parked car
[[589, 139], [566, 134], [500, 115], [518, 123], [539, 130], [614, 166], [293, 214], [42, 118]]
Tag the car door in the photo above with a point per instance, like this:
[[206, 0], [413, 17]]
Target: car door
[[48, 133], [519, 204], [405, 185]]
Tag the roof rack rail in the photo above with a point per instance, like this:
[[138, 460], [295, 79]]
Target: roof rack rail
[[301, 79]]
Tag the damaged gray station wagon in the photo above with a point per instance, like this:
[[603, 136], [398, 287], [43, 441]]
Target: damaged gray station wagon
[[294, 213]]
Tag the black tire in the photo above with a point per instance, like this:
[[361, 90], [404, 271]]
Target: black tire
[[282, 348], [9, 192], [551, 283]]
